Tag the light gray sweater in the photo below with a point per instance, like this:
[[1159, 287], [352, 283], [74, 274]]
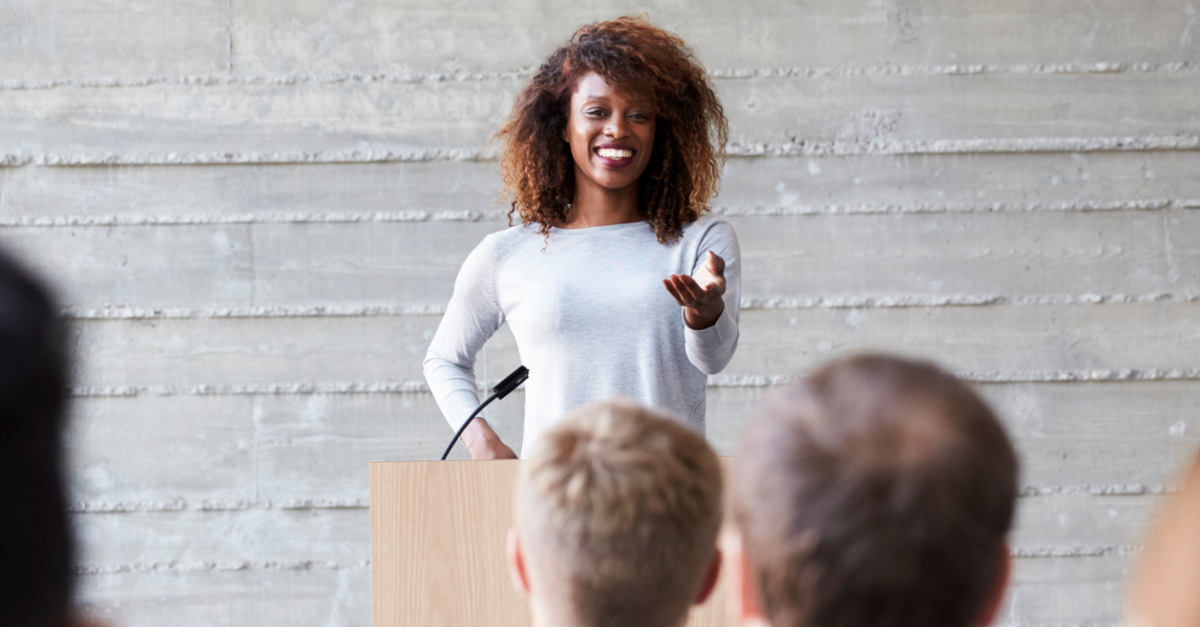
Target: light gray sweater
[[591, 317]]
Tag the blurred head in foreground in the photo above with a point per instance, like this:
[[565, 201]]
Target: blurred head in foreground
[[617, 513], [36, 550], [1166, 589], [878, 492]]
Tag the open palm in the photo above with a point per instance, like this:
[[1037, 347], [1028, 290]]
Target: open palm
[[700, 294]]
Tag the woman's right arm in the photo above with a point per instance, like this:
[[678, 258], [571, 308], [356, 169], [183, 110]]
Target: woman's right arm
[[471, 317]]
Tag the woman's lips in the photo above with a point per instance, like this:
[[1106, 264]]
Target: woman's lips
[[614, 156]]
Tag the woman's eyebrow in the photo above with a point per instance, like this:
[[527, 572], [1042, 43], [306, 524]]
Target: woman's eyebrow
[[641, 104]]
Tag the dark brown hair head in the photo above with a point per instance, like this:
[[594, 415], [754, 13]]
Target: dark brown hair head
[[36, 546], [634, 57], [879, 491]]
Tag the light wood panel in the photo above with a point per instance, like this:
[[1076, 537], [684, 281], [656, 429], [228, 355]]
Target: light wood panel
[[438, 535], [856, 114], [437, 544]]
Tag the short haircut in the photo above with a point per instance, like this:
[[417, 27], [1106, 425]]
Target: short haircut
[[877, 492], [623, 506], [36, 550]]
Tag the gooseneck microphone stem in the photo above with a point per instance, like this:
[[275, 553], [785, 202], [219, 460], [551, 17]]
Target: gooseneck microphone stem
[[458, 434], [502, 389]]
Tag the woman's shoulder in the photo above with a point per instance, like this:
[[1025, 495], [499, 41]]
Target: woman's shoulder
[[501, 244], [708, 227]]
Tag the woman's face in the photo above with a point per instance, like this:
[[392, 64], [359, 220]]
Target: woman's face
[[611, 134]]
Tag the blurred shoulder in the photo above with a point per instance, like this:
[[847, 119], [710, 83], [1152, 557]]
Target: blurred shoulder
[[711, 229]]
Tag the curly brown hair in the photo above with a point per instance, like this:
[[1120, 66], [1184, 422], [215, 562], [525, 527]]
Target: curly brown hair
[[633, 56]]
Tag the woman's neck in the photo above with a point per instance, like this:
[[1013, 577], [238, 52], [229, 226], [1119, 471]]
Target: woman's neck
[[596, 206]]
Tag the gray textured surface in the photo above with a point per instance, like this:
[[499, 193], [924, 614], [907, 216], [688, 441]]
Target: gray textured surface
[[255, 209]]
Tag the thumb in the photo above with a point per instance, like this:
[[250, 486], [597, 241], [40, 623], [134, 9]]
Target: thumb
[[716, 264]]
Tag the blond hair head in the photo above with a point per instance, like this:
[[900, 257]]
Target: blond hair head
[[620, 508]]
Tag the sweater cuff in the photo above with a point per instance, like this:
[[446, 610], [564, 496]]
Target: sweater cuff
[[710, 344]]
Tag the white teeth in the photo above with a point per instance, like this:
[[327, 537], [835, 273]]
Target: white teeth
[[614, 153]]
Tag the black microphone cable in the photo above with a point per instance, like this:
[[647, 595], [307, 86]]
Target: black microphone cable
[[502, 389]]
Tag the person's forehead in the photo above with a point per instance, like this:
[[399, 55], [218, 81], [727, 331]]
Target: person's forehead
[[592, 86]]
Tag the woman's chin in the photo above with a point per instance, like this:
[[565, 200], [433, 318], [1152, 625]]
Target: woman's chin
[[614, 180]]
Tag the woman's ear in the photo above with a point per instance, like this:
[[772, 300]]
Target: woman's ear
[[516, 563]]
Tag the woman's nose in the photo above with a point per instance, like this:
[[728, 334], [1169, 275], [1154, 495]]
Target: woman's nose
[[615, 128]]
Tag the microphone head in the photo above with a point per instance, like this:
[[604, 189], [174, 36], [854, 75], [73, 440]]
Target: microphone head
[[511, 382]]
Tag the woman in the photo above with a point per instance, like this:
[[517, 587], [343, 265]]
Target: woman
[[613, 284]]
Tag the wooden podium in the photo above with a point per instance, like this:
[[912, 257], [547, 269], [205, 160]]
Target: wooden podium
[[438, 532]]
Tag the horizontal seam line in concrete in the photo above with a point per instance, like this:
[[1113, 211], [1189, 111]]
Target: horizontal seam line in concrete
[[794, 148], [223, 566], [1059, 625], [522, 74], [747, 304], [1067, 551], [715, 382], [1029, 376], [350, 217], [179, 505]]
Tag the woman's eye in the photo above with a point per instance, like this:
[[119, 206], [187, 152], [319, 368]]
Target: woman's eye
[[595, 112]]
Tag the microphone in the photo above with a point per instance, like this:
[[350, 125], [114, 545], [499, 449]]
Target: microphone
[[502, 389]]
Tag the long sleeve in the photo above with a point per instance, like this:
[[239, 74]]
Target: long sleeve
[[711, 349], [471, 317]]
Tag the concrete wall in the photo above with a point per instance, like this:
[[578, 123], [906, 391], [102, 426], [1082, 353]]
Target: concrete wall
[[255, 211]]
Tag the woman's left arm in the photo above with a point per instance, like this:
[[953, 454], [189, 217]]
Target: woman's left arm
[[710, 299]]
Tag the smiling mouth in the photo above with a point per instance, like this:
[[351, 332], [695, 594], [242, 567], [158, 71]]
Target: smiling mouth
[[616, 154]]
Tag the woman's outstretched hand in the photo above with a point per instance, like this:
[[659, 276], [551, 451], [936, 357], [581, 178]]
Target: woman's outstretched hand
[[700, 294]]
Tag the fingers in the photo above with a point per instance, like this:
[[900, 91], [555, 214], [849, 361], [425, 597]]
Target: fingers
[[688, 287], [681, 297], [707, 293], [688, 293], [674, 292]]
